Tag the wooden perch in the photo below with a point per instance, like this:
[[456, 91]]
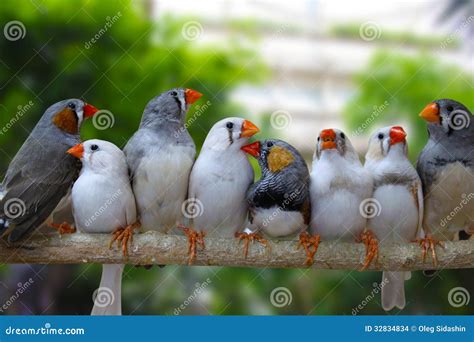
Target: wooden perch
[[155, 248]]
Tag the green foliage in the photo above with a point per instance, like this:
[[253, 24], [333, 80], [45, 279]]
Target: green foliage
[[394, 88], [116, 58]]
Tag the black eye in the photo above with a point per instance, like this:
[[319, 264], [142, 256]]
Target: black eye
[[380, 136], [319, 138], [229, 125], [269, 144], [343, 136], [94, 147], [72, 105], [174, 93], [449, 108]]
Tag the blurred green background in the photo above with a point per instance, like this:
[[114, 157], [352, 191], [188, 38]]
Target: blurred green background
[[299, 63]]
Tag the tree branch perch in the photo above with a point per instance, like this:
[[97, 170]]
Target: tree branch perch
[[155, 248]]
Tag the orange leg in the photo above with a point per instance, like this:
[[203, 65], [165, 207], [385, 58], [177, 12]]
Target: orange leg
[[429, 244], [63, 228], [308, 241], [194, 238], [371, 247], [250, 237], [123, 236]]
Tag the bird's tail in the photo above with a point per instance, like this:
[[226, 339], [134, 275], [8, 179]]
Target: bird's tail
[[108, 297], [393, 289]]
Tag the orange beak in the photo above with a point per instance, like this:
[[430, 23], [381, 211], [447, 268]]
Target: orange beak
[[253, 149], [397, 135], [328, 138], [89, 110], [192, 96], [431, 112], [77, 151], [248, 129]]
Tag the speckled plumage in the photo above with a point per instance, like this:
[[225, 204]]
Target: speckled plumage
[[280, 198]]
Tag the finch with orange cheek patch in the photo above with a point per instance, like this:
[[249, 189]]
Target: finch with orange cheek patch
[[339, 185], [279, 203], [41, 174], [398, 199], [102, 201]]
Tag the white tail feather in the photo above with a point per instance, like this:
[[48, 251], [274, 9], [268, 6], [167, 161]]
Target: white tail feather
[[108, 297]]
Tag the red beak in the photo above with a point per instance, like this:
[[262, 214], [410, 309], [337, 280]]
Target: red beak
[[397, 135], [248, 129], [431, 112], [253, 149], [328, 138], [89, 110], [192, 96], [77, 151]]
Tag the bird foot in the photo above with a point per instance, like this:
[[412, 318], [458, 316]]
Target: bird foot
[[63, 228], [371, 248], [429, 244], [194, 239], [123, 236], [309, 241], [250, 237]]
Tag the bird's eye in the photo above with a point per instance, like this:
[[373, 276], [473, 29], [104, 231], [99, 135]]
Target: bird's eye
[[269, 144], [449, 108], [71, 105], [94, 147], [319, 138], [380, 136], [343, 136], [229, 125], [174, 93]]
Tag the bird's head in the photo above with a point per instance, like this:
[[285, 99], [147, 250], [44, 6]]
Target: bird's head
[[170, 106], [99, 155], [230, 133], [385, 141], [446, 117], [274, 155], [68, 115], [333, 141]]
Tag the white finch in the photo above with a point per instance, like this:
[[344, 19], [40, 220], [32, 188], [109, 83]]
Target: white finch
[[339, 187], [102, 201], [219, 182], [398, 199]]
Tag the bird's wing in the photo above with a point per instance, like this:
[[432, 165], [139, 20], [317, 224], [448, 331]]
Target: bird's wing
[[418, 194], [33, 189]]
